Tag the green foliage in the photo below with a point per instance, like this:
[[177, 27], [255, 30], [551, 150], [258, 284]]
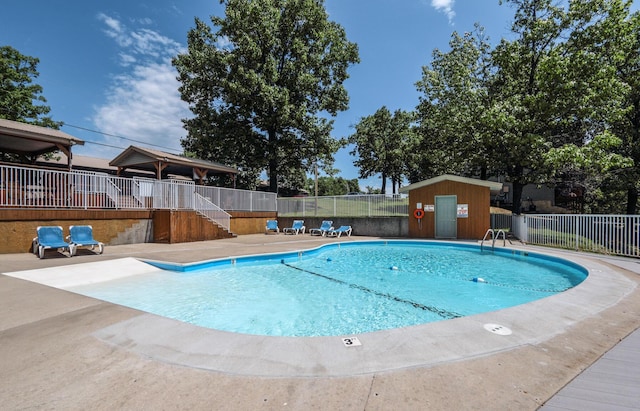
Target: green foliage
[[452, 110], [381, 144], [623, 49], [18, 93], [20, 98], [551, 106], [333, 186], [604, 50], [262, 85]]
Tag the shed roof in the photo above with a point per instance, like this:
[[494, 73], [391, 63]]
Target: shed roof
[[32, 140], [139, 158], [492, 185]]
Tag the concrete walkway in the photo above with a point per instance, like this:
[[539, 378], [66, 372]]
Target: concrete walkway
[[60, 350]]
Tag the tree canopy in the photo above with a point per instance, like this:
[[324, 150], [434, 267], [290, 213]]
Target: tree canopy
[[452, 108], [546, 106], [381, 142], [262, 85], [333, 186], [20, 98]]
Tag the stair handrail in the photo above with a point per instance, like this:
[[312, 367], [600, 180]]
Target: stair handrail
[[135, 191], [212, 212]]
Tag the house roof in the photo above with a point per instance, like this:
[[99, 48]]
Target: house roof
[[492, 185], [86, 163], [29, 139], [139, 158]]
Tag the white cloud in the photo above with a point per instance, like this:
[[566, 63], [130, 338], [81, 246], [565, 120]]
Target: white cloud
[[141, 42], [445, 6], [143, 102], [144, 105], [115, 30]]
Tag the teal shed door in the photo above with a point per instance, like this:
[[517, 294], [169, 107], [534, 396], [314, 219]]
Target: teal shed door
[[446, 217]]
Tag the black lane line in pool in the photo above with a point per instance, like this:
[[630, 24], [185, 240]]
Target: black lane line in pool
[[515, 287], [442, 313]]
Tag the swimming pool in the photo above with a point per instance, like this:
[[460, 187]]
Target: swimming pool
[[343, 288]]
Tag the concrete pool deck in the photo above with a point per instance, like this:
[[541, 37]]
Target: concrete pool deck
[[63, 350]]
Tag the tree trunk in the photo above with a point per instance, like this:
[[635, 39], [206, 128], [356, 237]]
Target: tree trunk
[[483, 173], [384, 183], [273, 162], [517, 197], [632, 200], [273, 176]]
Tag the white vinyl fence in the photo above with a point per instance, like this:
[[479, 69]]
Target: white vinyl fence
[[24, 187], [239, 200], [369, 205], [604, 234]]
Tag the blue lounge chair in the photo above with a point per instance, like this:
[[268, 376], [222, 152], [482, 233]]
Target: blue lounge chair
[[50, 238], [272, 225], [296, 228], [82, 236], [325, 227], [343, 229]]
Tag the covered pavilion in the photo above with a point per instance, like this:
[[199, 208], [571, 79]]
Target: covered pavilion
[[162, 163], [32, 141]]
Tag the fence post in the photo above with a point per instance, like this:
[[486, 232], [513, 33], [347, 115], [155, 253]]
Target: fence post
[[520, 227], [577, 232]]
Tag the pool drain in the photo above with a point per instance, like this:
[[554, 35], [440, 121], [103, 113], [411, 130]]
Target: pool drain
[[498, 329]]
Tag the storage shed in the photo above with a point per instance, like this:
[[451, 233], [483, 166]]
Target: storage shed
[[450, 207]]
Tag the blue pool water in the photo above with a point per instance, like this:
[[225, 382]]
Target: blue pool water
[[343, 289]]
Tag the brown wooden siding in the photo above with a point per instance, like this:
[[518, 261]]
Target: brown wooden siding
[[477, 197], [170, 226]]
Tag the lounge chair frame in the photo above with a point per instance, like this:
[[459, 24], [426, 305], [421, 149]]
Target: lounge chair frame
[[82, 236], [50, 238], [296, 228], [324, 228], [344, 229], [272, 226]]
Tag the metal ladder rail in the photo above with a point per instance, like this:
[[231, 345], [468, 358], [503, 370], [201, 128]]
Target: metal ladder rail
[[489, 231], [497, 237], [494, 236]]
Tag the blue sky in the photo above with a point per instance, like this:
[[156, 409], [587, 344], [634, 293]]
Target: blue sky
[[105, 66]]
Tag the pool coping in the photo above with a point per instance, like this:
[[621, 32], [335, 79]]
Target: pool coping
[[424, 345]]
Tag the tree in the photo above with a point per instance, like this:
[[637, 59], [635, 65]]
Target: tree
[[333, 186], [451, 113], [18, 93], [263, 84], [19, 96], [552, 88], [381, 141], [518, 110], [625, 56]]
